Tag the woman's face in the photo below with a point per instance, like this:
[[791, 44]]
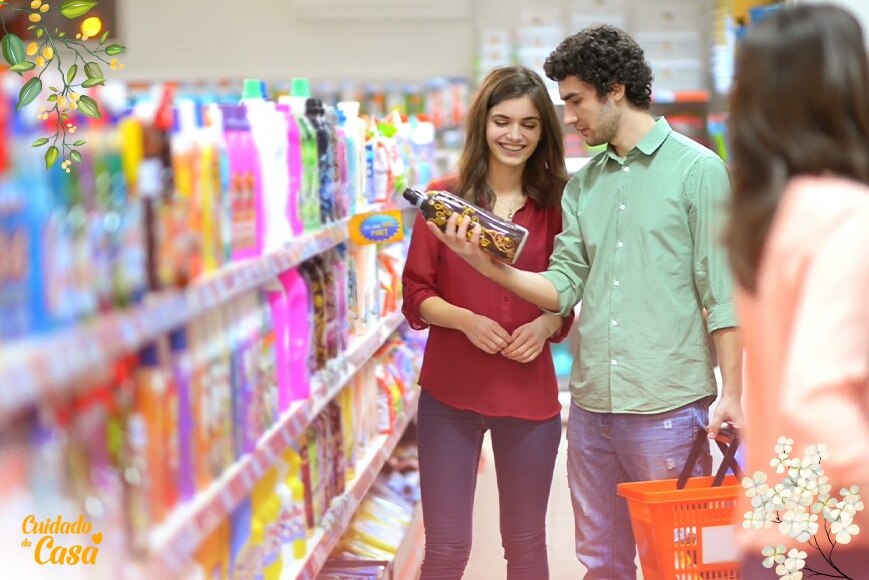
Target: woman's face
[[513, 129]]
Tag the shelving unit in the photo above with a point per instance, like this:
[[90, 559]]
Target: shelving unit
[[173, 542], [33, 369], [408, 559], [340, 513]]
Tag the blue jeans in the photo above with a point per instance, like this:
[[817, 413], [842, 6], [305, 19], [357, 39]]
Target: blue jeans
[[605, 449], [450, 441]]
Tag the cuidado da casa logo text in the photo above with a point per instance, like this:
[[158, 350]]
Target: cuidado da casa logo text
[[54, 540]]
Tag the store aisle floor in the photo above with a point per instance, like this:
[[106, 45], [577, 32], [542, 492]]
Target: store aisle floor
[[487, 556]]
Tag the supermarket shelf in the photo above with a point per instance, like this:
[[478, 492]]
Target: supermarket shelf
[[33, 368], [341, 512], [408, 559], [174, 541]]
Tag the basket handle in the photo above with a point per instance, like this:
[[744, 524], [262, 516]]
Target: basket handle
[[728, 442]]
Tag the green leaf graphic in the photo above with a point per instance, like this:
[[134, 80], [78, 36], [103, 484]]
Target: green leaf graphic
[[104, 37], [79, 143], [75, 156], [88, 107], [51, 156], [93, 82], [52, 98], [115, 49], [40, 142], [13, 49], [29, 91], [70, 74], [75, 8], [93, 71], [53, 90], [39, 33], [22, 67]]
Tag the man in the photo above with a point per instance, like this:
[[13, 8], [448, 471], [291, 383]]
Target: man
[[640, 249]]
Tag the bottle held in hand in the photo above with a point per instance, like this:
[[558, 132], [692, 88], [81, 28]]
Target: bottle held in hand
[[499, 238]]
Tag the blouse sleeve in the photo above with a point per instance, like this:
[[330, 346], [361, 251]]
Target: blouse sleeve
[[554, 225]]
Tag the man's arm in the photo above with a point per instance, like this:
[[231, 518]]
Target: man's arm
[[558, 289], [529, 286], [707, 192], [728, 344]]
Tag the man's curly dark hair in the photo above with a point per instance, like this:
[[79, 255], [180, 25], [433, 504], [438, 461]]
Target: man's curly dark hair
[[602, 56]]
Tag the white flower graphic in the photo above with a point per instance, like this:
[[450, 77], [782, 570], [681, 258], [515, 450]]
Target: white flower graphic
[[784, 445], [815, 453], [793, 565], [797, 503], [774, 555], [755, 485]]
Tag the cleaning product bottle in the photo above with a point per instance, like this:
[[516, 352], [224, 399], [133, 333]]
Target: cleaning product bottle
[[269, 131], [245, 185], [311, 213], [182, 370], [295, 168], [292, 492], [314, 112], [355, 130]]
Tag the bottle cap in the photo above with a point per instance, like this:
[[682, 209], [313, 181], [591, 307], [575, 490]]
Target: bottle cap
[[252, 89], [299, 87]]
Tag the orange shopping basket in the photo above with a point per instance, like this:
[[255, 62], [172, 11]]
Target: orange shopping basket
[[684, 527]]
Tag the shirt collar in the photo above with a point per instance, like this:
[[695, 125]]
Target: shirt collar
[[651, 141]]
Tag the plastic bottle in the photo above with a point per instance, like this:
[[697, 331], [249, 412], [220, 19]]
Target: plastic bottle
[[500, 238], [314, 112]]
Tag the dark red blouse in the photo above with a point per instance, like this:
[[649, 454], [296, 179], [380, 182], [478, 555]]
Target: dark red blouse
[[455, 371]]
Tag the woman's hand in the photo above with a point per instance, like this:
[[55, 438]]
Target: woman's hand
[[486, 334], [455, 237], [529, 339]]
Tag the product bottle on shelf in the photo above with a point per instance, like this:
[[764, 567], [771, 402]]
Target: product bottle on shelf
[[245, 185], [269, 131], [295, 166], [314, 112], [355, 128], [182, 371]]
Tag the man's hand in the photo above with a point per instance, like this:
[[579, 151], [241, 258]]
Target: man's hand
[[727, 410], [529, 339], [486, 334], [455, 237]]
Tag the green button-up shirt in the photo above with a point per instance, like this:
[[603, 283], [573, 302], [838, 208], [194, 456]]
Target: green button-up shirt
[[641, 249]]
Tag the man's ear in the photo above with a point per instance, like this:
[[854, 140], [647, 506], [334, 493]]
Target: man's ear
[[618, 92]]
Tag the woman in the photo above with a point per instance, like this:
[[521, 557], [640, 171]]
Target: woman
[[799, 243], [487, 362]]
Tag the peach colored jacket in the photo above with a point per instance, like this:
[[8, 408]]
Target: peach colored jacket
[[806, 335]]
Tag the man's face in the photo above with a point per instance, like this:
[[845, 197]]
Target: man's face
[[595, 119]]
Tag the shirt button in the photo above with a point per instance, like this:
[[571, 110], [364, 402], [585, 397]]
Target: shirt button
[[616, 283], [621, 207], [615, 323], [614, 362], [626, 169], [620, 244]]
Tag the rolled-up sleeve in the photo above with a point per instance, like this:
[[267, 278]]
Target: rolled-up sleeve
[[569, 265], [419, 277], [706, 193], [555, 226]]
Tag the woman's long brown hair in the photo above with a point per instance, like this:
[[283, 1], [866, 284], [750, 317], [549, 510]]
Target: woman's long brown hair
[[799, 106], [545, 175]]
